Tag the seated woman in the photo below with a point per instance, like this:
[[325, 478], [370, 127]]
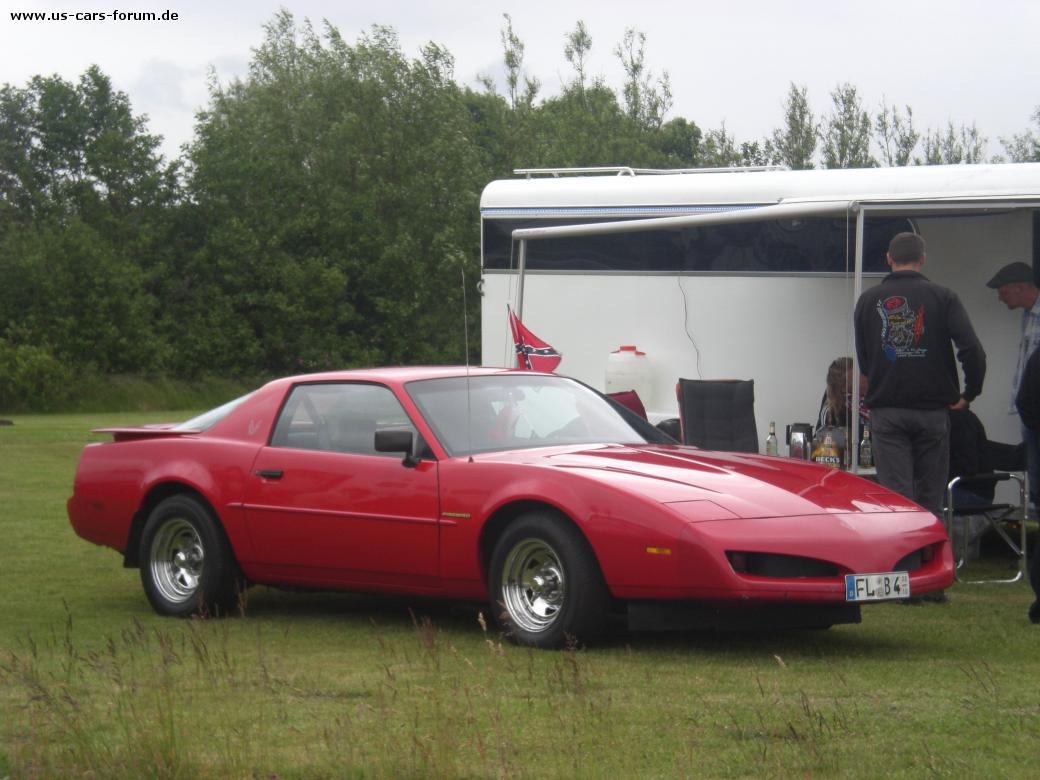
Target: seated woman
[[837, 398]]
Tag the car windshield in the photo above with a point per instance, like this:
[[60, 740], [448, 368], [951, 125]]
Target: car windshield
[[507, 412], [207, 420]]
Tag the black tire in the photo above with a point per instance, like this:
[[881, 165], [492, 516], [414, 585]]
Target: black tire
[[186, 563], [545, 584]]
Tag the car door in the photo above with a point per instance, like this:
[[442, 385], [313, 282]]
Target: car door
[[323, 507]]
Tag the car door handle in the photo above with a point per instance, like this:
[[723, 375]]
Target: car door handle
[[269, 473]]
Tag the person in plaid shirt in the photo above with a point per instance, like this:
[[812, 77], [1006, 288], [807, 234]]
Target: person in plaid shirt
[[1017, 289]]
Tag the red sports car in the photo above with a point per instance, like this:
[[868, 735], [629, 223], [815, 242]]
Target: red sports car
[[530, 491]]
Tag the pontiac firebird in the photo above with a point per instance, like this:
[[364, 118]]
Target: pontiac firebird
[[529, 491]]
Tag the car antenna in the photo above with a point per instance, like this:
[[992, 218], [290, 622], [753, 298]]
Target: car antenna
[[465, 339]]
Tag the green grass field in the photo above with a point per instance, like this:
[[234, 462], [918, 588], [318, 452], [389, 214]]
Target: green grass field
[[94, 685]]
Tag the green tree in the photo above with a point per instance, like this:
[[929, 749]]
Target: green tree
[[646, 100], [513, 49], [494, 133], [506, 128], [76, 149], [680, 140], [1024, 147], [956, 145], [337, 186], [757, 153], [846, 131], [720, 149], [896, 135], [576, 51], [85, 200], [794, 144], [584, 125]]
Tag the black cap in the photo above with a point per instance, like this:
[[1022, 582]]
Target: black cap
[[1011, 273]]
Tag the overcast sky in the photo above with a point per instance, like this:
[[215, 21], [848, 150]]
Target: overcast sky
[[960, 60]]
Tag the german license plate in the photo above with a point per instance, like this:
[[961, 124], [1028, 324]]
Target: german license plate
[[877, 587]]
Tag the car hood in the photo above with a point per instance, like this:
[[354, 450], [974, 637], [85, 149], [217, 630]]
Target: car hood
[[735, 484]]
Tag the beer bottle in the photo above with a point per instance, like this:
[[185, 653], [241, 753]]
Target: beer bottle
[[866, 449], [771, 445]]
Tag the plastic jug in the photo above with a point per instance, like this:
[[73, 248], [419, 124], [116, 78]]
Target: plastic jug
[[629, 369]]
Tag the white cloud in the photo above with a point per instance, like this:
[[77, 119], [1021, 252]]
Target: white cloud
[[963, 60]]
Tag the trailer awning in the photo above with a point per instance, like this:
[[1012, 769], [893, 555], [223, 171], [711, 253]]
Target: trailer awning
[[799, 208]]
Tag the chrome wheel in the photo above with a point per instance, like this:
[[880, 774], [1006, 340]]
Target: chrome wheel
[[176, 559], [534, 585], [187, 564]]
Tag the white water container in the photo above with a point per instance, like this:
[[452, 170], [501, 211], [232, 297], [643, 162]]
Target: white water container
[[629, 369]]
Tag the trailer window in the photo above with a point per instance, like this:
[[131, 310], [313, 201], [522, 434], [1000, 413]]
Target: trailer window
[[815, 245]]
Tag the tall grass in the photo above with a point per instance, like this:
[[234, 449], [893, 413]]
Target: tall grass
[[313, 685], [401, 698]]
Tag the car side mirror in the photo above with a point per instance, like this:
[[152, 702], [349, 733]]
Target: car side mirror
[[397, 441]]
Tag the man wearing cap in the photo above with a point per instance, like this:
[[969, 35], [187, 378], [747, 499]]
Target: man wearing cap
[[1017, 290], [906, 328]]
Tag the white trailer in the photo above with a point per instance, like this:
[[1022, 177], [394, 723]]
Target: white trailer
[[746, 274]]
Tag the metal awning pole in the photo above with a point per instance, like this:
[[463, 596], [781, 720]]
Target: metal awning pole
[[857, 289], [522, 267]]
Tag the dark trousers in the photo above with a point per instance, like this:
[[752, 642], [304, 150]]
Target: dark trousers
[[1032, 464], [1034, 575], [912, 452]]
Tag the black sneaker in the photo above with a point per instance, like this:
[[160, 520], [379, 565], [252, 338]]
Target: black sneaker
[[937, 597], [1034, 612]]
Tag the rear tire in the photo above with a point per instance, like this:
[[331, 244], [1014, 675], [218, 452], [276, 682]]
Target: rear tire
[[187, 567], [545, 583]]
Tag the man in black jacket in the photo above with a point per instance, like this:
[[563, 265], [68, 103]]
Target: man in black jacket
[[904, 330], [1028, 403]]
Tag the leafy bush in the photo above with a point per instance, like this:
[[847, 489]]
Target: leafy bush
[[121, 392], [31, 377]]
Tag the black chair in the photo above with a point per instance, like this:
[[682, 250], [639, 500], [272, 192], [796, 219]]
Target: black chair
[[970, 495], [718, 414]]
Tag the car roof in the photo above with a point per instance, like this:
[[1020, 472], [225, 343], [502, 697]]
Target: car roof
[[397, 375]]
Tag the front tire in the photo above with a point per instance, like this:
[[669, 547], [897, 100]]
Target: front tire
[[186, 563], [545, 583]]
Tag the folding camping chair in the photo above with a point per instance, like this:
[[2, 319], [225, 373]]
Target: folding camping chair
[[1009, 463], [718, 414]]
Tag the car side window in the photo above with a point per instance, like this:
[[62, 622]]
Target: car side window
[[339, 417]]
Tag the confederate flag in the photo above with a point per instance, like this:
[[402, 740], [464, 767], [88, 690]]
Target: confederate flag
[[531, 352]]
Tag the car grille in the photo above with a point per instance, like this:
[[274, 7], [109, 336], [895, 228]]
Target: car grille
[[785, 566]]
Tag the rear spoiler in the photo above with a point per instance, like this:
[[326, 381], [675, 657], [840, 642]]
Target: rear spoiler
[[143, 432]]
